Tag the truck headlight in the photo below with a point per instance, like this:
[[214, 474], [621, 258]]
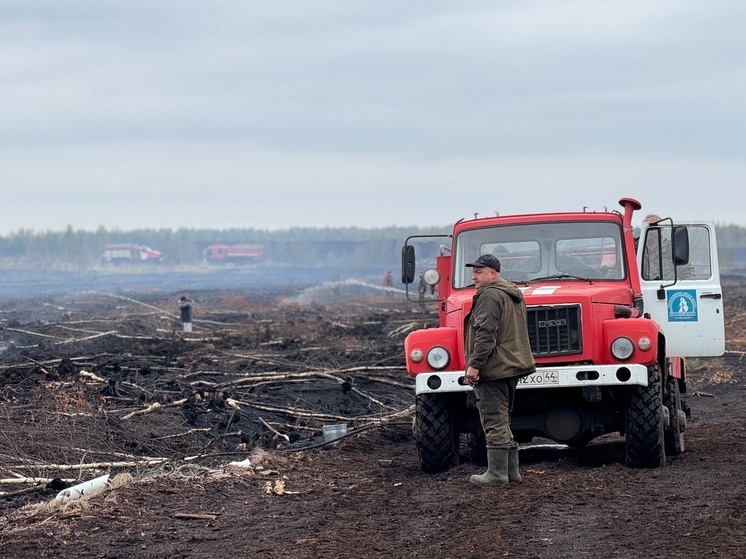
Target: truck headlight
[[438, 358], [416, 355], [431, 276], [622, 348]]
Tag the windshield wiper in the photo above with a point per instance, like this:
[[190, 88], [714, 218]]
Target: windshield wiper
[[562, 276]]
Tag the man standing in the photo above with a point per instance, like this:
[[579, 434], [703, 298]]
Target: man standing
[[185, 307], [657, 256], [498, 353], [422, 287]]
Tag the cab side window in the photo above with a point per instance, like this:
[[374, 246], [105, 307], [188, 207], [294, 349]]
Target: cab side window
[[658, 258]]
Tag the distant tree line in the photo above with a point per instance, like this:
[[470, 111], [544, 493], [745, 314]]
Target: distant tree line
[[308, 247], [77, 249]]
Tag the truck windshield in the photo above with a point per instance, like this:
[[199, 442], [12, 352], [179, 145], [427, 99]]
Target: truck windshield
[[582, 249]]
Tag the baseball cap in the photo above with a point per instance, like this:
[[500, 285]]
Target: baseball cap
[[486, 261]]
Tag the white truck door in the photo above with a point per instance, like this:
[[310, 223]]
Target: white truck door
[[689, 308]]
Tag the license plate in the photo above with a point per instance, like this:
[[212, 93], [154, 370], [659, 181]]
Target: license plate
[[540, 379]]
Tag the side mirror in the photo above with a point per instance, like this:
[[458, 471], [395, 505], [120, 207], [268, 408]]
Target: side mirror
[[681, 245], [407, 264]]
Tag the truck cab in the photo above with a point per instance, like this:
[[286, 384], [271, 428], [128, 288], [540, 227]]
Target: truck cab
[[611, 320]]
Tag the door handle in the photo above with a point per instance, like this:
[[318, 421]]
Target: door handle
[[710, 296]]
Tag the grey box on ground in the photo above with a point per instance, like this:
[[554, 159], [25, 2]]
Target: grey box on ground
[[334, 432]]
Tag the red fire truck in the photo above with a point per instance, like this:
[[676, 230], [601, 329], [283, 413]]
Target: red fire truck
[[223, 253], [119, 253], [610, 327]]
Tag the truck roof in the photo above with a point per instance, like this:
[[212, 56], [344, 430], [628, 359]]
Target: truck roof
[[613, 216]]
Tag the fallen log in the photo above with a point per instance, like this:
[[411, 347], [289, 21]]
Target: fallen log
[[153, 407], [275, 431], [100, 465], [25, 480]]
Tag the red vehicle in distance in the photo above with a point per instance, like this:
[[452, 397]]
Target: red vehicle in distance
[[127, 252], [239, 254]]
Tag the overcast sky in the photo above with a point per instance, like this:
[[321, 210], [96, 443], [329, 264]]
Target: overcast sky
[[329, 113]]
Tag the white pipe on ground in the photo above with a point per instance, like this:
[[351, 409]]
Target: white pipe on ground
[[85, 489]]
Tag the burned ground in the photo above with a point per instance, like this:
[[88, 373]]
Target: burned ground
[[97, 383]]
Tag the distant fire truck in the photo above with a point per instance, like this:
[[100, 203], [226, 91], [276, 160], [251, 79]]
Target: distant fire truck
[[610, 326], [122, 253], [223, 253]]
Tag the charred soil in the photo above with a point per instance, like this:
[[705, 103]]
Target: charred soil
[[94, 384]]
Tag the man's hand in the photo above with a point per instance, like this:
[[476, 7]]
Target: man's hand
[[472, 376]]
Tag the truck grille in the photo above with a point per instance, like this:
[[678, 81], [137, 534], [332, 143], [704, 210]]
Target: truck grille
[[554, 330]]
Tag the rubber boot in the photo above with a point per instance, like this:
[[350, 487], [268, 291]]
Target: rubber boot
[[497, 468], [513, 473]]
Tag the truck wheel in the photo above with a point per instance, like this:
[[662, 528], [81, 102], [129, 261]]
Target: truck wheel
[[435, 433], [674, 433], [644, 443], [477, 446]]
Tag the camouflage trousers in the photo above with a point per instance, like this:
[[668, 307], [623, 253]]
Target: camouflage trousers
[[495, 404]]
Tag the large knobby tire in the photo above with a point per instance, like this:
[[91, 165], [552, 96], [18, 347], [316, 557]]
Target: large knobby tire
[[645, 441], [477, 444], [435, 433], [674, 433]]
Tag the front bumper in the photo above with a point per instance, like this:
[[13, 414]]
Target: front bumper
[[544, 377]]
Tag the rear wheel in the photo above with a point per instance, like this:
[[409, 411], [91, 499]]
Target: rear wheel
[[477, 446], [645, 439], [674, 432], [435, 433]]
